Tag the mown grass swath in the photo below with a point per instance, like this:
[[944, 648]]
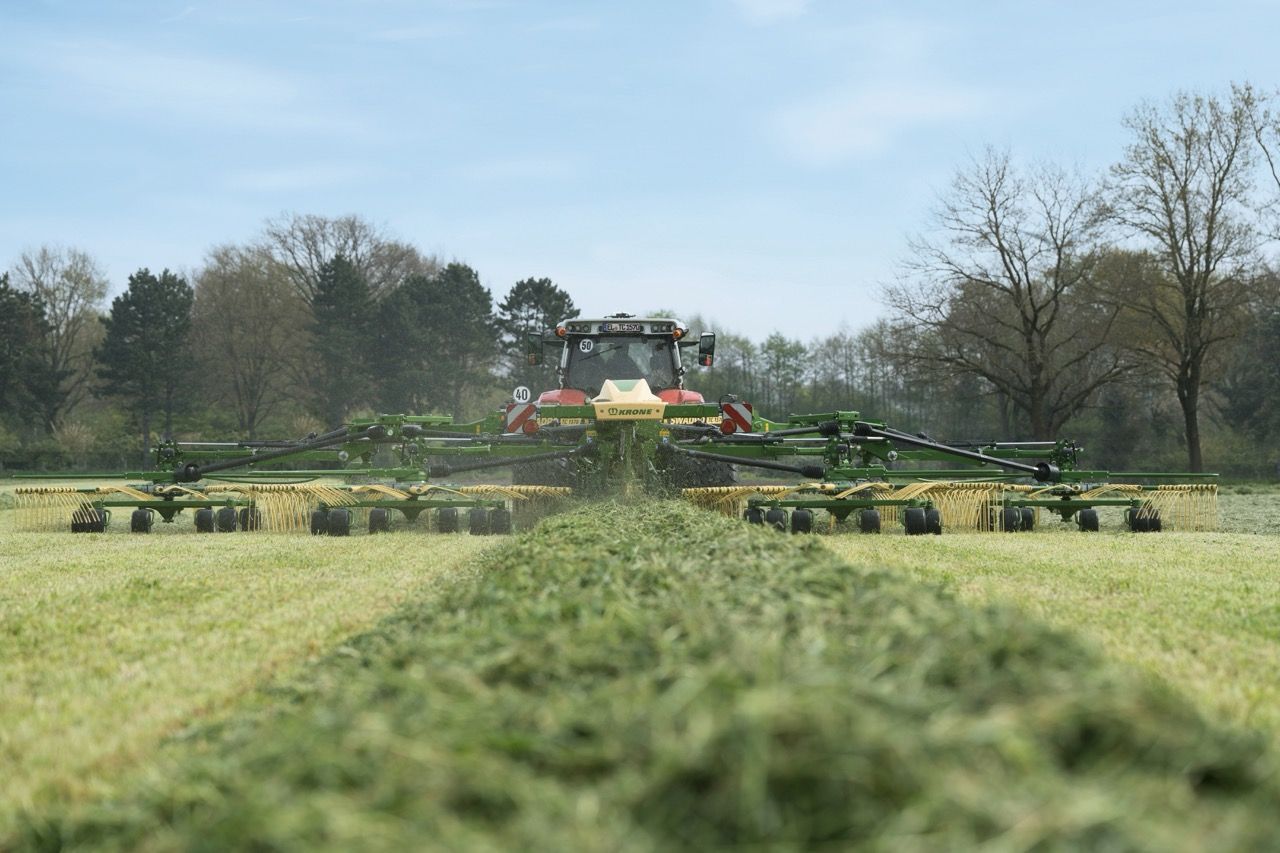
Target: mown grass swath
[[651, 676]]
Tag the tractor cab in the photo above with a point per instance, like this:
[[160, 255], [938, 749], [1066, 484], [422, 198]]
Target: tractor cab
[[621, 348]]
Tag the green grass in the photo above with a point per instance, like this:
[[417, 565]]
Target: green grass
[[112, 643], [1196, 609], [655, 677]]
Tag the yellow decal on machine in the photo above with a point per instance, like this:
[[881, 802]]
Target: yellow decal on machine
[[629, 411]]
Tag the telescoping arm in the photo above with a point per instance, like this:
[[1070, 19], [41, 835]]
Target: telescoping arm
[[1044, 472], [193, 471]]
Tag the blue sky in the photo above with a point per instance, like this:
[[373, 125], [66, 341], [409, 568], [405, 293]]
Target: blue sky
[[762, 162]]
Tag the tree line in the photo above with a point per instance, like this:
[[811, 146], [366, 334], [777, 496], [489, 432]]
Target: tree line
[[317, 320], [1134, 311]]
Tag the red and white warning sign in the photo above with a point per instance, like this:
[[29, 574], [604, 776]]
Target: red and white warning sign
[[737, 417], [521, 416]]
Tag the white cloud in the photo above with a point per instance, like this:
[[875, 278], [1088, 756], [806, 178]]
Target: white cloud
[[117, 78], [863, 122], [770, 11]]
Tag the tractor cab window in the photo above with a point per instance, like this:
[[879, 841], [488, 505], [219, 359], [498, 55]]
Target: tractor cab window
[[593, 360]]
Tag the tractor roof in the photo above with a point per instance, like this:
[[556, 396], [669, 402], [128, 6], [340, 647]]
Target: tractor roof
[[622, 323]]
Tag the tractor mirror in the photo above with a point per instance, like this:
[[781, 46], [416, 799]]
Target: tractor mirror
[[707, 349], [533, 349]]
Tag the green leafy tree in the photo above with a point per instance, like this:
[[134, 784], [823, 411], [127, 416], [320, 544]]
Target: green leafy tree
[[438, 341], [784, 363], [28, 385], [71, 287], [532, 305], [1250, 386], [342, 341], [143, 358]]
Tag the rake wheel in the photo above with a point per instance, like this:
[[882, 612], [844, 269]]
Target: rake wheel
[[914, 521], [447, 519], [802, 521], [869, 520], [141, 520], [204, 520]]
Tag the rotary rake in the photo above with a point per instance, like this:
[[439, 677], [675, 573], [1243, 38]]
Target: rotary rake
[[621, 422]]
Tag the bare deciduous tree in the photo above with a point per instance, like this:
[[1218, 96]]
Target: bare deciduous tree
[[1185, 185], [1005, 291], [303, 243], [250, 330], [72, 288]]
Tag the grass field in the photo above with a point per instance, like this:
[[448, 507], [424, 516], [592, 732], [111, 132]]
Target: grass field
[[112, 643], [655, 677], [587, 684], [1201, 610]]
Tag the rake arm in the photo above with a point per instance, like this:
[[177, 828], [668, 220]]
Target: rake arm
[[1044, 472], [193, 471], [812, 472]]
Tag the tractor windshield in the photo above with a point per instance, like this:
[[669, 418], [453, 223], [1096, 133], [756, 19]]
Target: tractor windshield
[[593, 360]]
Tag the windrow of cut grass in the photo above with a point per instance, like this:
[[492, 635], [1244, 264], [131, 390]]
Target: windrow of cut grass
[[653, 677]]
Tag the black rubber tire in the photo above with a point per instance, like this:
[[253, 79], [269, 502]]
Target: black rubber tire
[[1087, 520], [1028, 518], [1156, 525], [319, 522], [340, 522], [141, 520], [913, 521], [1010, 519], [88, 521], [933, 521], [250, 519], [227, 519], [776, 518], [478, 521], [204, 519], [753, 515], [869, 520], [802, 521], [1137, 521], [379, 520], [500, 521], [447, 519]]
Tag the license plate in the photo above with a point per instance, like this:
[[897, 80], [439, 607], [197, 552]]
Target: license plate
[[622, 327]]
